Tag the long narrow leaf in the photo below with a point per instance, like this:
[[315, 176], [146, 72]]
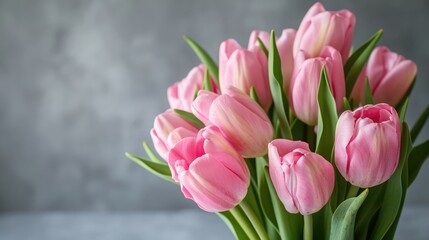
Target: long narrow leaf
[[189, 117], [204, 57], [357, 60], [343, 220], [161, 170], [276, 86], [327, 117], [418, 156], [418, 126], [233, 225], [151, 154]]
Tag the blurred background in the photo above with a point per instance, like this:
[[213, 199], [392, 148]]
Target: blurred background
[[82, 80]]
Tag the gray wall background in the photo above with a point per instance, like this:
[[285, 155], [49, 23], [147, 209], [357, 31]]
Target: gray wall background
[[81, 82]]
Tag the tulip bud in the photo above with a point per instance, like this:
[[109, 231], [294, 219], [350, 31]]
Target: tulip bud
[[320, 28], [209, 170], [305, 81], [358, 92], [285, 48], [303, 180], [244, 69], [390, 75], [367, 144], [240, 119], [181, 94], [169, 128]]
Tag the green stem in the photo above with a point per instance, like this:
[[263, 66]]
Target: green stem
[[353, 190], [308, 227], [254, 220], [244, 222]]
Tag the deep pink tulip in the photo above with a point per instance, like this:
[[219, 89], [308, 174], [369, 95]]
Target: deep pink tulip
[[390, 75], [303, 180], [305, 83], [181, 94], [169, 128], [241, 120], [367, 144], [285, 47], [320, 28], [244, 69], [209, 170]]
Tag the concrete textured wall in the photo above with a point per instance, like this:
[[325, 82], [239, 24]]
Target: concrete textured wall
[[81, 82]]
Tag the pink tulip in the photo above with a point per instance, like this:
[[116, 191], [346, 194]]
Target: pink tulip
[[367, 144], [241, 120], [244, 69], [390, 75], [169, 128], [320, 28], [181, 94], [209, 170], [285, 48], [303, 180], [305, 83]]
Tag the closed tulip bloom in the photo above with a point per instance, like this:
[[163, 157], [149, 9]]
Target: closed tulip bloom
[[367, 144], [244, 69], [169, 128], [209, 170], [240, 119], [285, 48], [390, 75], [320, 28], [303, 180], [181, 94], [305, 81]]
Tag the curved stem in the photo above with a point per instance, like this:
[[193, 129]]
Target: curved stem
[[244, 223], [353, 190], [308, 227], [254, 220]]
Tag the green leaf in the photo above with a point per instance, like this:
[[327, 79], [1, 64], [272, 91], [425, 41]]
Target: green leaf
[[262, 47], [418, 126], [276, 86], [204, 58], [343, 220], [161, 170], [190, 118], [369, 208], [402, 110], [207, 85], [233, 225], [290, 225], [357, 60], [392, 199], [152, 156], [327, 117], [418, 156], [264, 193], [368, 94], [254, 96], [346, 105]]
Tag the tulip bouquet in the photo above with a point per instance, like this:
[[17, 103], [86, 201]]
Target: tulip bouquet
[[295, 137]]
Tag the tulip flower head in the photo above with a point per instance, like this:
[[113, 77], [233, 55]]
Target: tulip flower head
[[240, 119], [181, 94], [244, 69], [169, 128], [209, 170], [303, 180], [320, 28], [367, 144], [390, 75]]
